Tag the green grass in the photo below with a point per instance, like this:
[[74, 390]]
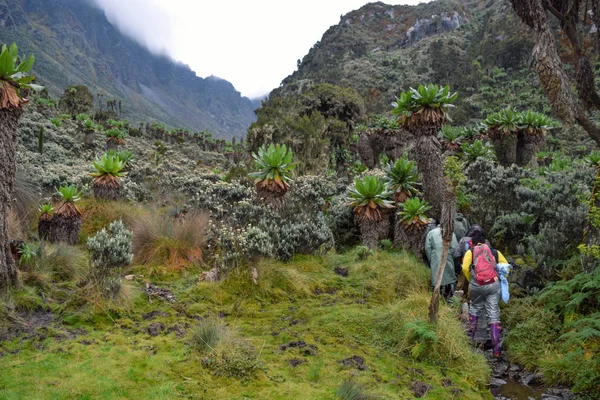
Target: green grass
[[362, 315]]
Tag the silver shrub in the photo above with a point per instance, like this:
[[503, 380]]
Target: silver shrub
[[111, 248]]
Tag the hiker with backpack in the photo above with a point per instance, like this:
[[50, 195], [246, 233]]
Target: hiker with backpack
[[479, 267], [433, 249], [465, 243]]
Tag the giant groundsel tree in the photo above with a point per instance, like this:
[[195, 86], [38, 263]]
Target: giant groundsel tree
[[422, 112], [13, 80]]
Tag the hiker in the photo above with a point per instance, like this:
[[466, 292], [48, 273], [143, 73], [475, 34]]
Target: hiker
[[479, 267], [464, 244], [461, 226], [433, 250]]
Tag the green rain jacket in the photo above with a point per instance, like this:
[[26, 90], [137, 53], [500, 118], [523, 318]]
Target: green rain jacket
[[433, 249]]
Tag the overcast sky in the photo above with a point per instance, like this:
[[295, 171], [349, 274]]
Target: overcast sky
[[253, 44]]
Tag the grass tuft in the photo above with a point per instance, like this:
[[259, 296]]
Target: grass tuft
[[352, 390], [205, 336], [161, 239]]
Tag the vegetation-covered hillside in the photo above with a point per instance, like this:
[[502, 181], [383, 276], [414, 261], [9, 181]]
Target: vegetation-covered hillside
[[76, 45], [155, 262]]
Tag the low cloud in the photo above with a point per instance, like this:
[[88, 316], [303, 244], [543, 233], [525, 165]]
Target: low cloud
[[145, 21]]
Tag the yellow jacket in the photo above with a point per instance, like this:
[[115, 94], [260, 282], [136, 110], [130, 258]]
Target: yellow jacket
[[468, 259]]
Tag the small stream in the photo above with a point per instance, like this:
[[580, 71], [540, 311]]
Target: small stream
[[515, 390], [511, 382]]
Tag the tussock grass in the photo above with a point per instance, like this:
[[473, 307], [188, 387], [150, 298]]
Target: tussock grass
[[276, 281], [205, 336], [352, 390], [62, 261], [99, 214], [227, 353], [160, 239], [407, 333], [385, 276]]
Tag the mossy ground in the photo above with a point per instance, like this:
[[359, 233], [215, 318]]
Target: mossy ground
[[106, 351]]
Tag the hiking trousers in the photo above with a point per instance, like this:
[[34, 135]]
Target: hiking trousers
[[485, 297]]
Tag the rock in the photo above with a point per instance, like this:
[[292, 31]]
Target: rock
[[499, 369], [420, 389], [153, 314], [304, 348], [550, 397], [497, 382], [562, 393], [354, 362], [294, 362], [514, 368], [531, 379], [154, 291], [210, 276], [155, 329], [254, 275]]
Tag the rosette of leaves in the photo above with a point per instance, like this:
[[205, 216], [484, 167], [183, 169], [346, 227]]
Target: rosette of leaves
[[45, 221], [274, 166], [413, 214], [410, 225], [535, 125], [114, 138], [370, 201], [124, 155], [423, 110], [503, 123], [503, 127], [475, 150], [13, 71], [106, 184], [66, 222], [402, 179], [452, 137], [593, 159]]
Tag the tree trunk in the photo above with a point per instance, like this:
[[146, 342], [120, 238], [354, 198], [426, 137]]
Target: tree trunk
[[106, 193], [9, 119], [88, 139], [65, 229], [527, 147], [428, 155], [447, 226], [506, 150], [410, 239], [44, 229], [373, 231], [549, 67]]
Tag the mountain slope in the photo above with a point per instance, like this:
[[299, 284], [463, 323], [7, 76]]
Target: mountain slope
[[479, 48], [75, 44]]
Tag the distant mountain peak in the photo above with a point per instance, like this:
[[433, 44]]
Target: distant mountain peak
[[75, 44]]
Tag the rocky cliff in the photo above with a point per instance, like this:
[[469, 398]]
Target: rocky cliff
[[75, 44], [479, 48]]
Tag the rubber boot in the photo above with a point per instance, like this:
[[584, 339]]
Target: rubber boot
[[495, 334], [472, 326]]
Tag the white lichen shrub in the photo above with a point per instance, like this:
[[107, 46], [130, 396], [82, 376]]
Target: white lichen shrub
[[111, 248], [259, 242]]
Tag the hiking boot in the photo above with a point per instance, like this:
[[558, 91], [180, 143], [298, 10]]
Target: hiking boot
[[472, 328], [495, 334]]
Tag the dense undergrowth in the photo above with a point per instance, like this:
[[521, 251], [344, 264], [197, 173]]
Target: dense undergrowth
[[300, 331]]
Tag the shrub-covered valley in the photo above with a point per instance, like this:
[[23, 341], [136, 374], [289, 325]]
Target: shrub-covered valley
[[143, 260]]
